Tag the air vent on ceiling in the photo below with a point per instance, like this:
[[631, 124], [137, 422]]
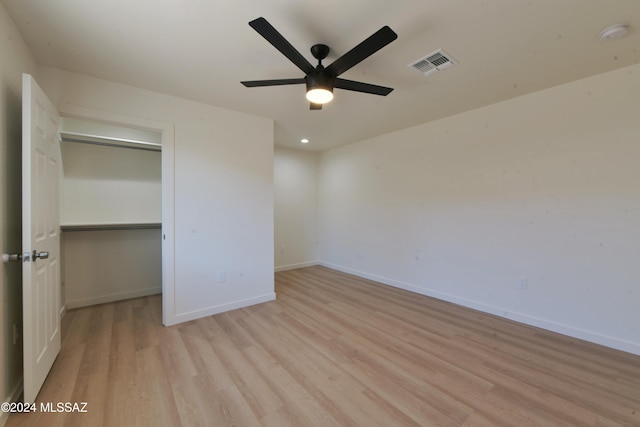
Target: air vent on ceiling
[[436, 61]]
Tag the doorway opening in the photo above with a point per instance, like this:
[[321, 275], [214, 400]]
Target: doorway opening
[[110, 212], [116, 209]]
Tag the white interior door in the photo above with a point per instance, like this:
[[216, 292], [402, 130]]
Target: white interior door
[[41, 165]]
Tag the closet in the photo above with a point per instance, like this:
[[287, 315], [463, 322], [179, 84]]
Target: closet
[[110, 212]]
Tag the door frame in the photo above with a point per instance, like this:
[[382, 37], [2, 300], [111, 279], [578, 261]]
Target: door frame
[[168, 218]]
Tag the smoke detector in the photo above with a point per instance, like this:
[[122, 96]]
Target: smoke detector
[[614, 32], [434, 62]]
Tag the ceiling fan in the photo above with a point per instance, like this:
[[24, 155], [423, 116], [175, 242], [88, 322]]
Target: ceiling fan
[[321, 81]]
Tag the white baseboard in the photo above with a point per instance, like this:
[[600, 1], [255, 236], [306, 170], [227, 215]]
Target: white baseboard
[[294, 266], [13, 397], [571, 331], [210, 311], [112, 297]]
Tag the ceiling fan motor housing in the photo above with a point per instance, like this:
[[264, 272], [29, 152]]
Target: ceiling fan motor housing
[[320, 79]]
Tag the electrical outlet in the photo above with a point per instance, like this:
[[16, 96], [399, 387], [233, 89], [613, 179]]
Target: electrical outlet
[[222, 276], [523, 283]]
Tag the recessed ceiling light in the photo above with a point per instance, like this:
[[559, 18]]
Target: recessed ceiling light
[[614, 32], [304, 140]]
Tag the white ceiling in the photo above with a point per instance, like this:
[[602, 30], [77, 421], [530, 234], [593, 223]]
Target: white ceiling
[[202, 49]]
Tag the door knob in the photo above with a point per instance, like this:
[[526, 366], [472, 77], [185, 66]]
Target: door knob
[[42, 255], [11, 257]]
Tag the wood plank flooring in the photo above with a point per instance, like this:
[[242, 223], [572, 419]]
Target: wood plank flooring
[[332, 350]]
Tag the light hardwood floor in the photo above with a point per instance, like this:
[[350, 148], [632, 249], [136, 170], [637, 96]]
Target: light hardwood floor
[[333, 350]]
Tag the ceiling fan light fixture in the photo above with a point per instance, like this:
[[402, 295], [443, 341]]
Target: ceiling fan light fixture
[[319, 87], [319, 95]]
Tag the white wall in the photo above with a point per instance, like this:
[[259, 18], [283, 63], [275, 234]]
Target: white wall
[[295, 206], [223, 183], [110, 265], [108, 185], [15, 59], [545, 186]]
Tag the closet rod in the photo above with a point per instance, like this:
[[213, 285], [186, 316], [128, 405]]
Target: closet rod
[[111, 227], [119, 143]]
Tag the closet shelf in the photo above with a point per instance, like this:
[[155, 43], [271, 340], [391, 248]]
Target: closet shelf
[[109, 227]]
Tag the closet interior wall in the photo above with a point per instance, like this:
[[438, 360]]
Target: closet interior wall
[[110, 214]]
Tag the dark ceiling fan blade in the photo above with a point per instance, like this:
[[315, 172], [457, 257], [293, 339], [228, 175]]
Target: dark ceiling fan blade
[[279, 82], [272, 35], [371, 45], [362, 87], [313, 106]]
